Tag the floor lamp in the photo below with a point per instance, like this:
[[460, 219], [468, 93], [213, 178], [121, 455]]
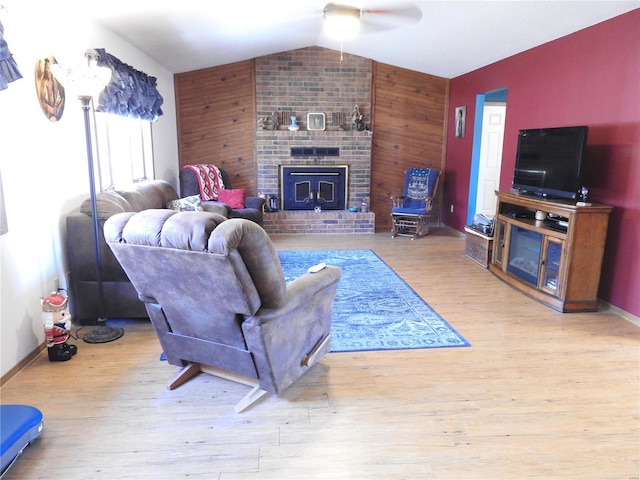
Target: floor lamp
[[88, 81]]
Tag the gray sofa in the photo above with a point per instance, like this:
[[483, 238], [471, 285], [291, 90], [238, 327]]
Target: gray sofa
[[217, 297], [121, 299]]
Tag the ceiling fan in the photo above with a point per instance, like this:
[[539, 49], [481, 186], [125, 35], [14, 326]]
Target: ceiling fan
[[343, 21]]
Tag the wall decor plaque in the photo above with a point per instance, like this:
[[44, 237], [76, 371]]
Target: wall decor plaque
[[50, 92], [315, 121]]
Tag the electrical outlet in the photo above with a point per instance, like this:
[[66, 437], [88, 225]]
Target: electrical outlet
[[451, 208]]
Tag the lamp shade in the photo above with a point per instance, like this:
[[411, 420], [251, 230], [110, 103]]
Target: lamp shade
[[341, 21], [87, 79]]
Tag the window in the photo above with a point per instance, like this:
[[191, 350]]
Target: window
[[123, 150]]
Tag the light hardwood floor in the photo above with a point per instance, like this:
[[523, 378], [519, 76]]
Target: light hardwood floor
[[539, 394]]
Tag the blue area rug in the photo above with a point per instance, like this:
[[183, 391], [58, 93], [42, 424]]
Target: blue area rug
[[374, 308]]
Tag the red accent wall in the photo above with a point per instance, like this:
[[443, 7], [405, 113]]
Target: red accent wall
[[592, 78]]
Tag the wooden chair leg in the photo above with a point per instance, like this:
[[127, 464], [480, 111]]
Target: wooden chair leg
[[250, 398], [193, 369], [184, 375]]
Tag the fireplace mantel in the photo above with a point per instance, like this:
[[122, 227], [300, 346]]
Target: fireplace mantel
[[314, 134]]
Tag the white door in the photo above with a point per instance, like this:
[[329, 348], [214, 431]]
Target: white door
[[490, 157]]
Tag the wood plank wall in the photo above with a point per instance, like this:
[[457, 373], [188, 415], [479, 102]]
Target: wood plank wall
[[217, 120], [217, 124], [409, 124]]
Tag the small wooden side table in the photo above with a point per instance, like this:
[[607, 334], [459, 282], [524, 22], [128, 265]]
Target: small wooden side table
[[478, 246]]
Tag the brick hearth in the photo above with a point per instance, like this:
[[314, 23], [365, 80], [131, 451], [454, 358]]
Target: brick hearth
[[328, 221]]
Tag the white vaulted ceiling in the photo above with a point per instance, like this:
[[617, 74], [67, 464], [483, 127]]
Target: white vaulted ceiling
[[443, 38]]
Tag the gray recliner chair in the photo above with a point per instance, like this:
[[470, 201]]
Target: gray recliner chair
[[216, 295]]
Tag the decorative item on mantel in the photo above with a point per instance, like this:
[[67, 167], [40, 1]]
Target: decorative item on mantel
[[293, 126], [356, 117], [316, 121], [364, 206], [272, 122], [284, 118], [338, 120], [357, 123]]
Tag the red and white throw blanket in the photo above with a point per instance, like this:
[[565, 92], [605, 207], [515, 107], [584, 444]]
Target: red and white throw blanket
[[210, 180]]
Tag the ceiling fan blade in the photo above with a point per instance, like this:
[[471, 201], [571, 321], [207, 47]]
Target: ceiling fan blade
[[380, 19]]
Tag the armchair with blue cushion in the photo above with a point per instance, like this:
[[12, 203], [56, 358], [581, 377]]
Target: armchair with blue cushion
[[217, 298], [411, 212]]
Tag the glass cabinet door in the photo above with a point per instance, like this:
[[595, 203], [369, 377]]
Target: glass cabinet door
[[525, 248], [499, 242], [551, 265]]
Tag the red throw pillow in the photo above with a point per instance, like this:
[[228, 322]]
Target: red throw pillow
[[232, 197]]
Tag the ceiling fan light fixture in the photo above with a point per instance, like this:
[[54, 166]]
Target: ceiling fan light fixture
[[341, 21]]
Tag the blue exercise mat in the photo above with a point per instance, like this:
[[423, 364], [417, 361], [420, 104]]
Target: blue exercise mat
[[19, 426]]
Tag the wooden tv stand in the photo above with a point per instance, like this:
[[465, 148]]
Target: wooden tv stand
[[556, 261]]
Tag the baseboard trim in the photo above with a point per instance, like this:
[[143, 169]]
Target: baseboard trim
[[21, 365], [605, 306], [452, 230]]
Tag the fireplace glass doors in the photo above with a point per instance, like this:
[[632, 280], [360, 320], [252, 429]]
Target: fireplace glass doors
[[309, 187], [524, 254]]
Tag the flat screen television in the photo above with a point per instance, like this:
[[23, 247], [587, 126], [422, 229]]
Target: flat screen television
[[549, 161]]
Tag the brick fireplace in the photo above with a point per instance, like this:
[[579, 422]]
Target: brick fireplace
[[300, 82], [274, 152]]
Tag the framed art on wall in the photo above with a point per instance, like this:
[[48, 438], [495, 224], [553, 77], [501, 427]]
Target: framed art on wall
[[461, 117], [50, 91], [315, 121]]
